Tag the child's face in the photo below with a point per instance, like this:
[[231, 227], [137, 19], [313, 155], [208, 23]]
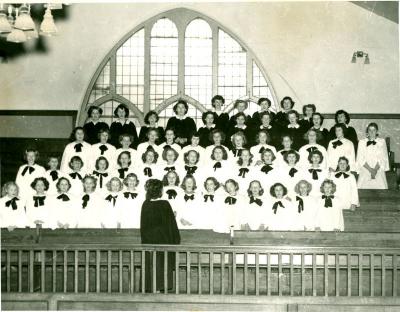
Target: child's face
[[131, 183], [238, 141], [125, 160], [279, 191], [342, 164], [255, 188], [152, 119], [339, 133], [115, 185], [328, 189], [312, 137], [287, 104], [88, 185], [171, 178], [262, 137], [79, 135], [153, 136], [150, 158], [240, 120], [12, 190], [315, 159], [210, 186], [169, 136], [121, 113], [103, 137], [291, 159], [30, 157], [372, 132], [192, 158], [292, 118], [95, 115], [303, 189], [316, 120], [218, 155], [181, 110], [341, 118], [267, 158], [40, 187], [209, 119], [126, 142], [189, 184], [102, 165], [218, 104], [76, 165], [195, 140], [230, 187], [309, 111], [241, 107], [264, 105], [287, 142], [170, 156], [217, 138], [246, 156], [63, 186], [53, 163], [266, 120]]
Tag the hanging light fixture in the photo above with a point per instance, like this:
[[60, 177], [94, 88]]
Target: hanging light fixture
[[5, 26], [16, 35], [48, 27], [24, 20]]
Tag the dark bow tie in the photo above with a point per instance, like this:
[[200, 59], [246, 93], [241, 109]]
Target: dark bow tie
[[167, 146], [230, 200], [314, 173], [131, 195], [311, 149], [190, 170], [339, 174], [75, 175], [292, 172], [54, 175], [243, 171], [150, 147], [78, 147], [168, 169], [207, 197], [266, 169], [122, 172], [187, 197], [103, 148], [171, 194], [275, 206], [85, 199], [112, 198], [31, 169], [337, 143], [237, 152], [328, 200], [262, 149], [39, 200], [147, 172], [256, 200], [101, 176], [371, 143], [12, 203], [300, 206], [217, 165], [64, 197]]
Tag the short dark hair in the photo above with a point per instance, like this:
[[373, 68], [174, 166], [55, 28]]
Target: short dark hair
[[346, 160], [75, 158], [263, 99], [237, 102], [291, 152], [316, 152], [272, 189], [205, 114], [124, 153], [59, 182], [346, 115], [33, 150], [223, 136], [217, 184], [372, 124], [288, 98], [73, 133], [150, 150], [216, 98], [103, 130], [130, 175], [187, 177], [152, 129], [92, 108], [292, 111], [154, 189], [233, 182], [266, 133], [320, 116], [341, 126], [268, 150], [185, 156], [241, 114], [148, 115], [314, 108], [180, 102], [165, 150], [224, 152], [240, 160], [103, 158], [124, 107], [44, 180], [165, 178]]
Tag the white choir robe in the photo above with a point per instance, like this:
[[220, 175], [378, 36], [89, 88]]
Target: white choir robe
[[209, 149], [372, 155], [345, 150], [287, 180], [199, 149], [109, 154], [199, 174], [52, 183], [173, 199], [305, 150], [285, 218], [221, 174], [346, 188], [280, 161], [245, 178], [90, 216], [102, 180], [330, 218], [155, 173], [110, 213], [24, 181], [267, 177], [130, 210], [232, 215], [65, 213], [122, 175], [256, 151], [142, 148], [210, 204], [135, 157], [306, 217], [69, 152], [316, 184], [175, 146], [188, 211], [76, 184], [256, 215], [42, 214], [12, 218]]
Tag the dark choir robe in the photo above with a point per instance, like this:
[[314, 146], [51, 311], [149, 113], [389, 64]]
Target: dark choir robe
[[281, 120], [92, 131], [324, 136], [184, 128], [256, 119], [232, 120], [349, 134], [158, 226], [117, 129], [272, 130], [143, 135], [204, 133], [298, 136], [222, 122], [306, 123]]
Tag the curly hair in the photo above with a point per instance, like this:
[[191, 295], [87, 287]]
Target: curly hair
[[165, 178], [124, 107], [316, 152], [128, 176], [44, 180], [291, 152], [185, 104], [261, 188], [59, 182], [154, 189], [186, 156], [312, 106], [216, 98], [297, 186], [272, 189], [124, 153], [328, 181], [346, 115], [268, 150], [105, 159], [108, 185], [216, 183], [224, 152], [205, 114], [264, 99], [90, 177], [346, 160], [233, 182], [287, 98], [240, 134], [7, 185], [187, 177], [92, 108], [144, 155], [240, 160], [148, 115], [166, 150], [223, 136]]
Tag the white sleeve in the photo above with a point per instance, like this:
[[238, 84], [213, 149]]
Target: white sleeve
[[354, 191], [351, 156], [18, 178], [384, 159], [361, 155], [331, 158], [65, 160]]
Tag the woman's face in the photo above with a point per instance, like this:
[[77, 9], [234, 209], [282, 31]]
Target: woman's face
[[230, 187], [210, 186], [102, 165], [170, 136], [218, 154], [287, 142], [372, 133], [312, 137], [341, 118], [287, 104], [76, 165], [171, 178], [121, 113], [170, 156], [53, 163], [327, 189], [180, 109], [240, 120], [279, 191], [88, 185], [218, 105], [149, 158], [31, 157], [12, 190], [195, 140], [292, 118], [291, 159], [95, 115], [124, 160], [104, 137], [79, 135], [152, 119], [241, 106], [339, 133], [255, 188], [267, 158], [115, 186], [264, 105], [308, 112], [126, 142], [342, 164], [238, 141], [316, 121], [63, 186], [315, 159], [131, 183], [303, 189], [246, 156], [153, 136], [189, 185], [262, 137], [266, 120], [217, 138], [209, 119], [192, 158], [40, 188]]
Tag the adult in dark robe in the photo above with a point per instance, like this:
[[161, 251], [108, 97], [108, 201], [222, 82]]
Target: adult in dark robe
[[94, 125], [122, 126], [221, 119], [208, 118], [323, 135], [308, 111], [151, 120], [240, 106], [281, 118], [183, 125], [158, 226], [343, 117], [265, 105]]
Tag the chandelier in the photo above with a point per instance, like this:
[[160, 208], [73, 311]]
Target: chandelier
[[17, 25]]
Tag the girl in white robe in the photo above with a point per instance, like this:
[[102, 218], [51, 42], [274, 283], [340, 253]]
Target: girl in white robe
[[149, 169], [91, 205], [169, 160], [291, 172], [131, 203], [29, 172], [287, 143], [172, 191], [267, 171], [340, 147], [330, 209], [77, 148], [152, 137], [194, 145], [346, 185], [219, 166], [262, 140], [218, 137], [126, 142], [103, 148], [239, 142], [312, 145], [314, 173], [210, 201], [190, 213], [191, 166], [37, 207], [372, 160], [112, 204], [65, 206], [102, 174], [257, 206], [244, 172], [76, 175], [12, 212], [306, 206], [125, 166], [52, 175], [170, 141], [282, 210]]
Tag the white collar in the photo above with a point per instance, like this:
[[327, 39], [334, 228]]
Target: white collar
[[263, 127], [180, 117], [212, 126], [290, 126], [243, 127]]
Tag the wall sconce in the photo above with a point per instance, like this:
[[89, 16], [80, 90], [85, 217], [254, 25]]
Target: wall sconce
[[360, 54]]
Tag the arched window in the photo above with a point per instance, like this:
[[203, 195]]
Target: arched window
[[179, 54]]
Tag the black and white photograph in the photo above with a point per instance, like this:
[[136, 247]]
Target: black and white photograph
[[200, 156]]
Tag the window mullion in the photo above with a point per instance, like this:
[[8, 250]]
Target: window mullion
[[249, 74], [113, 73], [214, 59], [146, 99], [181, 59]]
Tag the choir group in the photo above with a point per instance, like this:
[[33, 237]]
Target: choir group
[[262, 172]]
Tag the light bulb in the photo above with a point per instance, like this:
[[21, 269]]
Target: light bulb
[[48, 27]]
